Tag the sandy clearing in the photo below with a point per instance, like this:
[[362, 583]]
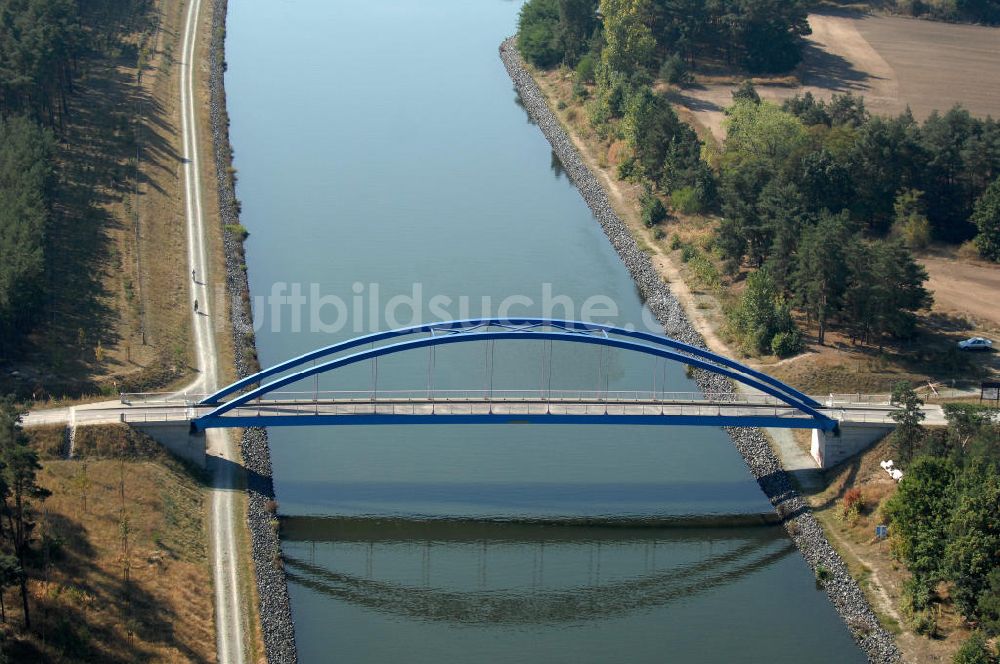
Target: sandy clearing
[[893, 62], [939, 65], [965, 288]]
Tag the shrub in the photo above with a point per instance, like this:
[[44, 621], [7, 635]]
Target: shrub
[[786, 344], [658, 234], [914, 231], [851, 505], [850, 516], [687, 200], [705, 272], [918, 593], [924, 622], [585, 69], [974, 651], [600, 115], [627, 169], [688, 252], [238, 230], [653, 210], [853, 497], [675, 242], [675, 71]]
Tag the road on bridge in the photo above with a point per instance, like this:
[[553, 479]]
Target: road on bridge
[[175, 408]]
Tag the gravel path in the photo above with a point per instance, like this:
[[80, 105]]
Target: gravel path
[[797, 519]]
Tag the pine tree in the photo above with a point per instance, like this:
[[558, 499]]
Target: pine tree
[[986, 217], [821, 271]]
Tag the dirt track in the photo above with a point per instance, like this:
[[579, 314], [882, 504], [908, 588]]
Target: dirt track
[[893, 62]]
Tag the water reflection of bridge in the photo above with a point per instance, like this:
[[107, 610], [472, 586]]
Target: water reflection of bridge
[[594, 579]]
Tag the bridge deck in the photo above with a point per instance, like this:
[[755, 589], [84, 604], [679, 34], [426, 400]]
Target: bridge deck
[[471, 406]]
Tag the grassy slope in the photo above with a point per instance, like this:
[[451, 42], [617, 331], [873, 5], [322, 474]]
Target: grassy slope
[[82, 608]]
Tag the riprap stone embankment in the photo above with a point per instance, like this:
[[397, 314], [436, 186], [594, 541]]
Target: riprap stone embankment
[[272, 586]]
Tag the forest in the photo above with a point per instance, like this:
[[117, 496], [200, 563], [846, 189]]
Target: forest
[[759, 35], [820, 204], [43, 46]]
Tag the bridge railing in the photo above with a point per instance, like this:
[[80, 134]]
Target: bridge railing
[[857, 399], [861, 416], [143, 398], [264, 410], [523, 395], [486, 394], [152, 416], [483, 394], [173, 413]]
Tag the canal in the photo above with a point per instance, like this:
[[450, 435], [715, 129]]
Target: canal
[[388, 175]]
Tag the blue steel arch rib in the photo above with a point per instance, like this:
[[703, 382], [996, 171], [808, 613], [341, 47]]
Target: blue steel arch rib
[[523, 325], [787, 395]]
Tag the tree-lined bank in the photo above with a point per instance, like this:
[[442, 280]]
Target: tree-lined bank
[[787, 183]]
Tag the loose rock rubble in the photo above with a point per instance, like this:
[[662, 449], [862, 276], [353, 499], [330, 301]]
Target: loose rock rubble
[[796, 516], [272, 587]]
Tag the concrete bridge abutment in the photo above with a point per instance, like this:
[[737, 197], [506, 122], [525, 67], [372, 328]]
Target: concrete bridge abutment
[[831, 447]]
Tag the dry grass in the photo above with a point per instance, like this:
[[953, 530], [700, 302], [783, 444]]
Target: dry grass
[[82, 608], [116, 441], [49, 441]]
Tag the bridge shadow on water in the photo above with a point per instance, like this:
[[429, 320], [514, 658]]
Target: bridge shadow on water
[[344, 569]]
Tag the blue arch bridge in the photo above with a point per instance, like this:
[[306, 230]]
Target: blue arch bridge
[[261, 399]]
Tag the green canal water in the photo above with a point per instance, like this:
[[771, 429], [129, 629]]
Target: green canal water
[[387, 175]]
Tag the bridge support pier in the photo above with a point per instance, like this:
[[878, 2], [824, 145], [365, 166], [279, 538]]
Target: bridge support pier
[[179, 438], [830, 448]]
